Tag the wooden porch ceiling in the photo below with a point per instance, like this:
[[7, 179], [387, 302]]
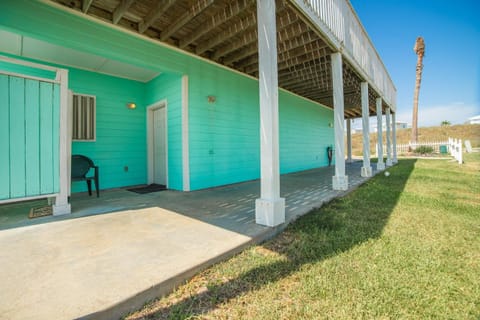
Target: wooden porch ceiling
[[225, 31]]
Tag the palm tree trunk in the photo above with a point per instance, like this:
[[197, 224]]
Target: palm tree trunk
[[420, 51]]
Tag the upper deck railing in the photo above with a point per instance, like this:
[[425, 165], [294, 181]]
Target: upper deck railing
[[340, 24]]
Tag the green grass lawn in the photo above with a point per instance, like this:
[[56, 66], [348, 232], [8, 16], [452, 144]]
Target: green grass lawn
[[405, 246]]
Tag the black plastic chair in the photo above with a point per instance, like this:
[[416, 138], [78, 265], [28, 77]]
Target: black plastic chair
[[81, 165]]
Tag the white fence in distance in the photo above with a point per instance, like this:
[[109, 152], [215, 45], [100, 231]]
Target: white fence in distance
[[408, 147], [453, 146]]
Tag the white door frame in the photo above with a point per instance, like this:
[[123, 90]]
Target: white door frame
[[150, 141]]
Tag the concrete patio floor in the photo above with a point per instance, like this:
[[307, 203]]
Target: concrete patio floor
[[114, 253]]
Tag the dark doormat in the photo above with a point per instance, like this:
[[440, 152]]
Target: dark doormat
[[150, 188], [42, 211]]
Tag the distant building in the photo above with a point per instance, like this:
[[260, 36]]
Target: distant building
[[398, 124], [474, 120]]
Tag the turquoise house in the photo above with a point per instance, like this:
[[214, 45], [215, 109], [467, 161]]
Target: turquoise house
[[168, 92]]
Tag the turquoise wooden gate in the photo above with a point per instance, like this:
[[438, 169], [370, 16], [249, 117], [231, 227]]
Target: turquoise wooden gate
[[29, 137]]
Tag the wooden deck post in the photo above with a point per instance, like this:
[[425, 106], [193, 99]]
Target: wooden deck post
[[394, 137], [389, 145], [380, 163], [61, 200], [349, 140], [366, 170], [339, 180], [270, 208]]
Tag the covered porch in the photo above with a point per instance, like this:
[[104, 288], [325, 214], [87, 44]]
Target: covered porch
[[231, 207], [75, 266], [316, 51]]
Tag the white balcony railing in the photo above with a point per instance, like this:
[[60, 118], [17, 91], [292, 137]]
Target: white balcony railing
[[342, 28]]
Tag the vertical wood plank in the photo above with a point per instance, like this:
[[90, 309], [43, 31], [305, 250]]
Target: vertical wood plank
[[32, 139], [56, 137], [46, 123], [4, 138], [17, 137]]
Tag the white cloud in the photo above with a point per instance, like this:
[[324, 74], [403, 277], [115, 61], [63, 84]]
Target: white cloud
[[456, 113]]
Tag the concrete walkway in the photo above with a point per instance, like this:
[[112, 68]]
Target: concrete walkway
[[100, 266]]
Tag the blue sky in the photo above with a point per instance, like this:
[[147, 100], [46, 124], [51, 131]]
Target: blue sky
[[450, 88]]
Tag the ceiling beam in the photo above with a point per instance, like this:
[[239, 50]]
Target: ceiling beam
[[197, 8], [284, 19], [156, 13], [245, 39], [305, 75], [350, 113], [284, 34], [86, 5], [121, 9], [228, 12], [240, 26], [288, 59], [242, 54], [309, 69]]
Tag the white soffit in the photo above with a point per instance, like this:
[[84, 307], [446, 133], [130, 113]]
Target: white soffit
[[10, 43], [35, 49], [133, 72]]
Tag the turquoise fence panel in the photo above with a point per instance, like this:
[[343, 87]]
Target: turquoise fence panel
[[29, 131], [46, 138], [17, 137], [4, 139], [32, 128]]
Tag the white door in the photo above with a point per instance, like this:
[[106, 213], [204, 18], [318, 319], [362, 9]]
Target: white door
[[159, 147]]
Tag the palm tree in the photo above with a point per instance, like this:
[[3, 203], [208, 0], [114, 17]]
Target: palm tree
[[419, 49]]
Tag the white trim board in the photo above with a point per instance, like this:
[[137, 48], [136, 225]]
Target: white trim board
[[185, 136], [150, 144]]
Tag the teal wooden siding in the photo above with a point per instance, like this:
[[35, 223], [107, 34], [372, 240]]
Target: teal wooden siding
[[224, 135], [305, 133], [29, 142], [169, 87], [121, 132]]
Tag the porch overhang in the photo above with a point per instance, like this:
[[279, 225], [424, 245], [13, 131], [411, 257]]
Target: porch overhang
[[225, 32]]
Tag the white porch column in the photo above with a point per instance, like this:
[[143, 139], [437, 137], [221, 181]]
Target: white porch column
[[349, 140], [389, 146], [61, 200], [339, 180], [270, 208], [366, 170], [380, 163], [394, 138], [185, 136]]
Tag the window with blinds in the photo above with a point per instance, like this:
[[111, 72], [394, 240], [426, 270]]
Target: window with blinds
[[83, 125]]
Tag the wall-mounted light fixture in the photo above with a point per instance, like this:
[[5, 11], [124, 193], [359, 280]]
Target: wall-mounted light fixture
[[330, 124], [211, 99], [131, 105]]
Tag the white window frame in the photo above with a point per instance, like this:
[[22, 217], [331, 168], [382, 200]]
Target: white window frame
[[75, 94]]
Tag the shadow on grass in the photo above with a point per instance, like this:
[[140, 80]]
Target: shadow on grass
[[335, 228]]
